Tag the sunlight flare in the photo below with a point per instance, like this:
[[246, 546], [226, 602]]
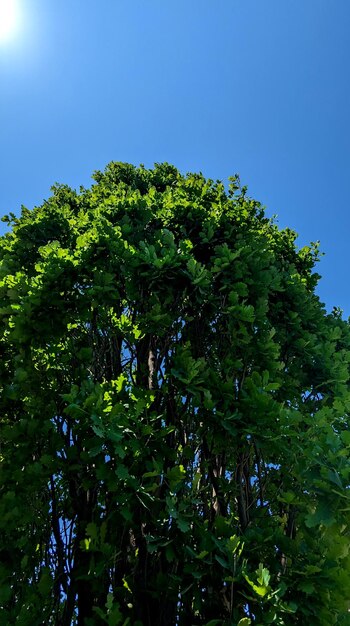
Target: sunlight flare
[[8, 19]]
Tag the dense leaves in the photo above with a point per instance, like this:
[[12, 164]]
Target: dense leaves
[[174, 412]]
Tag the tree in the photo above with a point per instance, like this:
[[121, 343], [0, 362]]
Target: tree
[[174, 412]]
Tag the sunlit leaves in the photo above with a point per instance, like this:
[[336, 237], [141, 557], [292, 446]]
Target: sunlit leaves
[[174, 412]]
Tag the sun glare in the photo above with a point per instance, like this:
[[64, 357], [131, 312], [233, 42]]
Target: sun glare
[[8, 19]]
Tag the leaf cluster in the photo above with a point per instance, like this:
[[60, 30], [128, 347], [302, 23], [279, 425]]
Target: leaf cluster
[[174, 412]]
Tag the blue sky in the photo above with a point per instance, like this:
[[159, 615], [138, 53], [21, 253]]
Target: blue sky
[[258, 87]]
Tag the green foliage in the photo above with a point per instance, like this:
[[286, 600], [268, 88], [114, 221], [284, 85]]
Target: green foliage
[[174, 412]]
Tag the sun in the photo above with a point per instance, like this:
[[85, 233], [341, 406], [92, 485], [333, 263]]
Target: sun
[[8, 19]]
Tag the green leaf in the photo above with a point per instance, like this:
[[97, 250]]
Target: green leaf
[[115, 616], [263, 575], [175, 476], [85, 544], [126, 513], [110, 600], [260, 589], [100, 613], [183, 524], [322, 516], [202, 554], [91, 531], [345, 435], [122, 472], [307, 587], [45, 582], [222, 562]]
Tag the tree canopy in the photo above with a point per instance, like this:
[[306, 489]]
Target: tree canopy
[[174, 412]]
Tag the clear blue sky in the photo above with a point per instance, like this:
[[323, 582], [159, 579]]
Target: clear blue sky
[[258, 87]]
